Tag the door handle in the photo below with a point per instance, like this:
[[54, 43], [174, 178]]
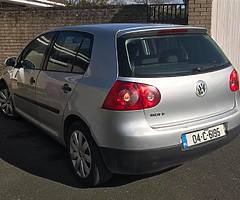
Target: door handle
[[32, 81], [66, 88]]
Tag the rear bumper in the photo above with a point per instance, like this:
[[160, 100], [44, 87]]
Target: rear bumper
[[149, 161], [131, 131]]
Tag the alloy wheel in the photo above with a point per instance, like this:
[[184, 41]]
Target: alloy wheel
[[6, 102], [80, 154]]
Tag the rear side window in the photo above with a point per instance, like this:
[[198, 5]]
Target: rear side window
[[71, 52], [83, 56], [166, 55]]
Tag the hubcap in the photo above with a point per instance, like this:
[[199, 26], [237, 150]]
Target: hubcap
[[80, 154], [6, 102]]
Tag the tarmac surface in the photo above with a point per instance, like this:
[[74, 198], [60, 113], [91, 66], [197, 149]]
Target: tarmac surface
[[33, 166]]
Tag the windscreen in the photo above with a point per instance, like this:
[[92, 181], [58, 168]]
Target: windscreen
[[169, 55]]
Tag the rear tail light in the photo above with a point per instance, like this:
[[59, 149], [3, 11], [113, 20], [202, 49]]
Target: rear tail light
[[234, 81], [131, 96]]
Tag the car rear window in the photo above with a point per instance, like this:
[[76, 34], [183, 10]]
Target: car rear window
[[169, 55]]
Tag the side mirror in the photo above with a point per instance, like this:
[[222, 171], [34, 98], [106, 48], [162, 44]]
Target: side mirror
[[10, 62]]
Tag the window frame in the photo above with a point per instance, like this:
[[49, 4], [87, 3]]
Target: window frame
[[89, 35]]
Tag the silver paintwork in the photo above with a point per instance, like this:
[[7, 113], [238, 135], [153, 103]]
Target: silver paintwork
[[183, 110], [49, 92], [23, 87]]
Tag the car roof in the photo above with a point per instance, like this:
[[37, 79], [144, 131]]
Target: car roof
[[120, 27]]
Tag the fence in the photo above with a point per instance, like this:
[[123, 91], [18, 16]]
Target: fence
[[168, 13]]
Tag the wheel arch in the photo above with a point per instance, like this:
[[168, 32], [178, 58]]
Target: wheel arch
[[3, 82], [101, 171], [71, 119]]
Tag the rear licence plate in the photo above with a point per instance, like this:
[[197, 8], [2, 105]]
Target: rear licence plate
[[199, 137]]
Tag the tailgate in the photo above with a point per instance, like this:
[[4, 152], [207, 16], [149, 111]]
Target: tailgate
[[185, 98]]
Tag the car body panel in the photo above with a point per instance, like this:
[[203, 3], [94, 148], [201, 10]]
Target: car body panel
[[181, 110], [24, 91], [52, 99], [180, 103]]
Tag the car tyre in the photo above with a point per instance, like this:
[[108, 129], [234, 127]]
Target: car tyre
[[6, 102], [85, 157]]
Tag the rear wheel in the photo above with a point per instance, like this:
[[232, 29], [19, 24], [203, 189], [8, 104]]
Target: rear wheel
[[85, 157], [6, 103]]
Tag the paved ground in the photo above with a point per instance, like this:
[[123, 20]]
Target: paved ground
[[33, 166]]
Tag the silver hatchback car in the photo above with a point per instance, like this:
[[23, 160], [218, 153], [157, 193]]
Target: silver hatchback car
[[125, 98]]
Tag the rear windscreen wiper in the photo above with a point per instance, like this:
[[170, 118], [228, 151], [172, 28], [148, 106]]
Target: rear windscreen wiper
[[197, 69]]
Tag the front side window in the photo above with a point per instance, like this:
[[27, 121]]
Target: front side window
[[33, 55], [70, 53]]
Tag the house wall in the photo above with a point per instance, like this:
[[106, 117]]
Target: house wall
[[18, 26], [9, 5], [225, 28], [199, 13]]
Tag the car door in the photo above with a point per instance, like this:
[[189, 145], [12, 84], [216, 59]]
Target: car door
[[67, 61], [29, 65]]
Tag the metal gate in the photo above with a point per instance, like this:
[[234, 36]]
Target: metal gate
[[168, 13]]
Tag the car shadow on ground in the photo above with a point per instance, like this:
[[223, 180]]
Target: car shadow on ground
[[31, 150]]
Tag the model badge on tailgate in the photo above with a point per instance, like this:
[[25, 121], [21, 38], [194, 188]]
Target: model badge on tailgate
[[158, 114]]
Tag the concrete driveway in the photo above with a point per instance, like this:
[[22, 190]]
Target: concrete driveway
[[33, 166]]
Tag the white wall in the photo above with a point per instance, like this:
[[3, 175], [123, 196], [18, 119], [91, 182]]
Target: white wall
[[226, 28]]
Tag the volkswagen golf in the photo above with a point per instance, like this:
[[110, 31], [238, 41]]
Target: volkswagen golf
[[125, 98]]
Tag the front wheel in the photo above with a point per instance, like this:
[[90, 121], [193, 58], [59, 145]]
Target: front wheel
[[6, 103], [85, 157]]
